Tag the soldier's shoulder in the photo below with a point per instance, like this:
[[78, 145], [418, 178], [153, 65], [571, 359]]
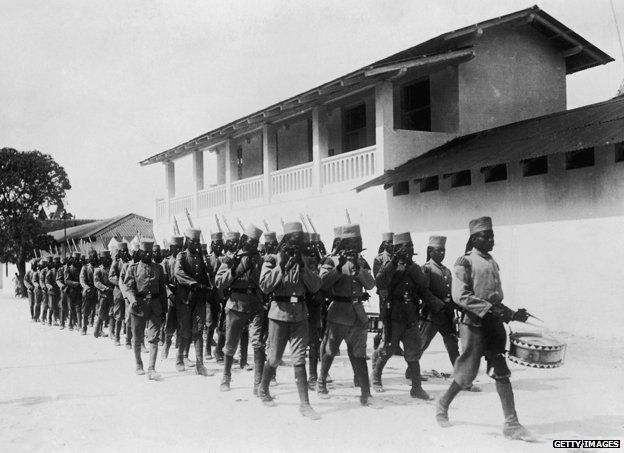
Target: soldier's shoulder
[[464, 260]]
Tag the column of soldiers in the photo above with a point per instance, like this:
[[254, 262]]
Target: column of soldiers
[[289, 290]]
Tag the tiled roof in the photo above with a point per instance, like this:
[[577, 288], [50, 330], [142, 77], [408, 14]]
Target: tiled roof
[[126, 226]]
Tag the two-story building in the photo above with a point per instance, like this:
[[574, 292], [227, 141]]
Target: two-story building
[[307, 153]]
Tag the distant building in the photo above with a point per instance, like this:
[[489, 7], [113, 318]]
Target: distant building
[[308, 153]]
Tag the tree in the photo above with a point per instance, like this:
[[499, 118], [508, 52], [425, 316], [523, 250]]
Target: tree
[[29, 181]]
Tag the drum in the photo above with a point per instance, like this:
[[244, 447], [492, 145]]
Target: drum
[[535, 350]]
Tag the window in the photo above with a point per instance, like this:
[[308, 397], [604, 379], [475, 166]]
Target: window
[[579, 159], [355, 127], [429, 184], [619, 152], [535, 166], [239, 161], [495, 173], [459, 179], [310, 144], [416, 106], [400, 188]]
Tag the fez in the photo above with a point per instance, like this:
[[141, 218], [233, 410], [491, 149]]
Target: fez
[[193, 234], [293, 227], [156, 247], [387, 237], [204, 247], [232, 236], [105, 254], [315, 237], [253, 232], [123, 246], [76, 255], [480, 224], [402, 238], [270, 236], [337, 231], [177, 240], [350, 231], [146, 245], [306, 237], [218, 236], [437, 241]]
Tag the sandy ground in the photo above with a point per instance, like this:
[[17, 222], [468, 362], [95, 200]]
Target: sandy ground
[[64, 392]]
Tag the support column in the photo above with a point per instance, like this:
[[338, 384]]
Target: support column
[[227, 148], [384, 126], [198, 176], [170, 183], [319, 145], [269, 161]]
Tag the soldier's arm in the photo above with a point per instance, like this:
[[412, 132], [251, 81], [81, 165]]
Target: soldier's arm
[[270, 276], [27, 280], [311, 280], [329, 274], [113, 273], [130, 283], [162, 285], [385, 274], [463, 293], [49, 280], [60, 278], [365, 277], [69, 281], [35, 279], [97, 280], [83, 278], [180, 274]]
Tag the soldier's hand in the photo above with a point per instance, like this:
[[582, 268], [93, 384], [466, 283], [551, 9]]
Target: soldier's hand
[[503, 312], [362, 263], [521, 315], [395, 260]]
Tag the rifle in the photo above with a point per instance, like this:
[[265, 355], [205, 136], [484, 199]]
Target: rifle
[[176, 228], [266, 225], [348, 216], [311, 224], [240, 224], [303, 223], [226, 224], [282, 220], [218, 224]]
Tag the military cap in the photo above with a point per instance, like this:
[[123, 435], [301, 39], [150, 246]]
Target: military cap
[[315, 237], [105, 254], [218, 236], [337, 231], [480, 224], [177, 240], [156, 247], [76, 255], [307, 237], [49, 258], [387, 237], [232, 236], [204, 247], [437, 241], [270, 236], [147, 245], [253, 232], [123, 246], [293, 227], [193, 234], [350, 231], [402, 238]]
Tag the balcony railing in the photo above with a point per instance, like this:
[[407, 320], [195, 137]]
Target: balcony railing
[[211, 198], [178, 205], [349, 166], [161, 209], [292, 179], [248, 189]]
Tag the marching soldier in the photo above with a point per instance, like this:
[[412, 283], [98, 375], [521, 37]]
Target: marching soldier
[[146, 290], [217, 301], [136, 257], [54, 292], [405, 286], [239, 276], [105, 292], [36, 281], [74, 291], [89, 291], [43, 272], [286, 278], [384, 255], [313, 257], [30, 288], [345, 277], [64, 302], [114, 276], [191, 297], [171, 322], [439, 281], [477, 289]]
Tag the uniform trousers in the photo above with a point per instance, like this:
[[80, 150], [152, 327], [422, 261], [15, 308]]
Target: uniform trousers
[[282, 332], [75, 307], [148, 323], [409, 335], [54, 298], [32, 303], [442, 323], [38, 300], [64, 307], [89, 301], [119, 305], [191, 317], [354, 335], [235, 322]]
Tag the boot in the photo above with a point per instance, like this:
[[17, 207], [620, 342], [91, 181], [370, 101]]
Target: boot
[[187, 362], [443, 404], [118, 333], [227, 374], [137, 357], [512, 429], [356, 381], [378, 366], [258, 367], [199, 358], [97, 331], [152, 374], [244, 346], [128, 335], [313, 364], [167, 347], [302, 387], [361, 371], [417, 390], [180, 356], [263, 391], [219, 348], [321, 385]]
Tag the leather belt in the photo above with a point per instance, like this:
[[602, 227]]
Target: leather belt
[[343, 299], [291, 299]]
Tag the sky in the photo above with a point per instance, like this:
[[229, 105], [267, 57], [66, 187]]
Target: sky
[[102, 85]]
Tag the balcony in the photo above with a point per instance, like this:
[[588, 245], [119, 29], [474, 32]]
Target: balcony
[[331, 174]]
